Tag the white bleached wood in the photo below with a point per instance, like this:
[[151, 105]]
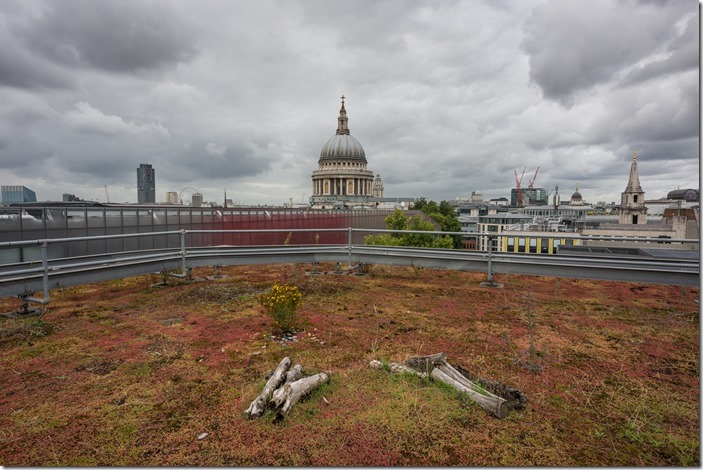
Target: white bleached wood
[[396, 368], [289, 394], [489, 402], [258, 406], [295, 373]]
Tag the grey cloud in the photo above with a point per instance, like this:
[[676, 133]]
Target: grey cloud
[[118, 36], [26, 154], [573, 45], [446, 97], [87, 119], [220, 161], [670, 153], [684, 55], [360, 24], [20, 69]]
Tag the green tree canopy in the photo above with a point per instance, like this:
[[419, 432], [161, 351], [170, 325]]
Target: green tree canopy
[[399, 221], [444, 214]]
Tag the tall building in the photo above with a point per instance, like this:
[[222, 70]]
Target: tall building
[[172, 197], [16, 193], [342, 176], [632, 208], [530, 196], [146, 184], [197, 200]]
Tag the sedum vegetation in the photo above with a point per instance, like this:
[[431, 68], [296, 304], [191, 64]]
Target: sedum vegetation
[[132, 373]]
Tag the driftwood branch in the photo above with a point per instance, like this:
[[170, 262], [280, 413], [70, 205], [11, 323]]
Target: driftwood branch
[[486, 400], [426, 363], [288, 395], [295, 373], [516, 400], [396, 368], [437, 367], [258, 406]]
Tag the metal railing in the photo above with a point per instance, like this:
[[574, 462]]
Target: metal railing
[[22, 279]]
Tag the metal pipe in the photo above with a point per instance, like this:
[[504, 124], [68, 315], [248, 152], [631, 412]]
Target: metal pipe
[[349, 248]]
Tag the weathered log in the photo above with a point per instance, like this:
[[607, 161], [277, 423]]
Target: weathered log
[[489, 402], [289, 394], [258, 406], [515, 399], [396, 368], [454, 374], [426, 363], [295, 373]]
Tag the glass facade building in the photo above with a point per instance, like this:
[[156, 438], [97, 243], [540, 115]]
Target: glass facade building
[[12, 194]]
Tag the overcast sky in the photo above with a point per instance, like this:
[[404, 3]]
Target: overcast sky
[[446, 97]]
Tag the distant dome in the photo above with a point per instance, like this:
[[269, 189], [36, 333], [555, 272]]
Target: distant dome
[[576, 199], [343, 147]]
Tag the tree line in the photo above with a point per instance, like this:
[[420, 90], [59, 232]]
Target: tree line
[[442, 213]]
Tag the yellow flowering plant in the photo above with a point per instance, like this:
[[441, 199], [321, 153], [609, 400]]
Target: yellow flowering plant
[[281, 302]]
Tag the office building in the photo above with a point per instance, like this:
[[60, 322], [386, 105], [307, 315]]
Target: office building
[[530, 196], [146, 184], [197, 200], [14, 193], [172, 197]]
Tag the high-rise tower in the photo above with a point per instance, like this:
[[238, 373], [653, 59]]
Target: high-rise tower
[[632, 208], [146, 184]]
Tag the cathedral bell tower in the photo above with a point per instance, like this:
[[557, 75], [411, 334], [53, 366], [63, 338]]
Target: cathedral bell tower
[[632, 208]]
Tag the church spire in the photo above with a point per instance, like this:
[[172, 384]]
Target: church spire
[[342, 127], [633, 183]]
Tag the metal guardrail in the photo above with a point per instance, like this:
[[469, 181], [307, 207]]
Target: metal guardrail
[[22, 279]]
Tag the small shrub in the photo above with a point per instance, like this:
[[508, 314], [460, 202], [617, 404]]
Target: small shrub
[[281, 302]]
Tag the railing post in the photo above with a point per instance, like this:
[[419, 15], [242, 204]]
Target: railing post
[[489, 275], [184, 270], [349, 248], [45, 267]]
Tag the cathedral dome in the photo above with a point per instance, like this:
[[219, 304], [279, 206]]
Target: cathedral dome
[[576, 198], [342, 146]]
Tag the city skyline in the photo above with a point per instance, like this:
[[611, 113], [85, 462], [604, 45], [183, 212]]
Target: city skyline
[[445, 97]]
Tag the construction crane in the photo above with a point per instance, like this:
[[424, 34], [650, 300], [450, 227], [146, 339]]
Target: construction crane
[[531, 184], [107, 195], [518, 181]]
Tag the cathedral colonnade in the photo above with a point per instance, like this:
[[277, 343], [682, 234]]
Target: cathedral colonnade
[[335, 186]]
